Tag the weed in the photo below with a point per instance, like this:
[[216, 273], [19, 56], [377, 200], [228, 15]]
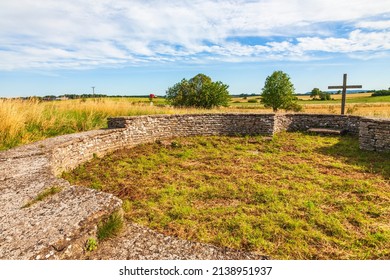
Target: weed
[[331, 109], [351, 110], [110, 227], [126, 205], [42, 195], [91, 244], [175, 144]]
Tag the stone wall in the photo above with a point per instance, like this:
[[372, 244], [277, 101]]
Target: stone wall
[[195, 124], [374, 134], [131, 131], [302, 122], [53, 228]]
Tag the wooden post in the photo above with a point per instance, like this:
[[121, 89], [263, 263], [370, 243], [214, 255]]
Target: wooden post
[[344, 94]]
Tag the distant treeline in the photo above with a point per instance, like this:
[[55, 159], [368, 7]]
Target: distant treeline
[[244, 94], [383, 92], [78, 96], [84, 96]]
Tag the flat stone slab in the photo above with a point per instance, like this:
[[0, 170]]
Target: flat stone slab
[[326, 131]]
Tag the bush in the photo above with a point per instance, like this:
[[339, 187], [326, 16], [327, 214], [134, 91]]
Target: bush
[[295, 107], [325, 96], [320, 94], [382, 92], [200, 91]]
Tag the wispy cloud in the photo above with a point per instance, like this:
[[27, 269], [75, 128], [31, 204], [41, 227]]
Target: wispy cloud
[[78, 34]]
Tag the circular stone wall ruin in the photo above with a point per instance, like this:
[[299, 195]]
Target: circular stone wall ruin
[[58, 226]]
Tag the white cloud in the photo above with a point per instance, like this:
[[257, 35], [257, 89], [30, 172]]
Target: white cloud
[[357, 41], [87, 33], [374, 25]]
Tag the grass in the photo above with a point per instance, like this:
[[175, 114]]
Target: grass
[[110, 227], [351, 98], [26, 121], [295, 196], [43, 195]]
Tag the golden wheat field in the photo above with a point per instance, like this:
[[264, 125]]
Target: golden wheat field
[[338, 96], [26, 121]]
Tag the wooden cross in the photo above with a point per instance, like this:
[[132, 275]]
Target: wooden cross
[[344, 88]]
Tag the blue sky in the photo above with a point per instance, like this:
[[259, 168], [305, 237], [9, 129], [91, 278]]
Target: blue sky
[[137, 47]]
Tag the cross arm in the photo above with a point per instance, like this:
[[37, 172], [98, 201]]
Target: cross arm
[[341, 87]]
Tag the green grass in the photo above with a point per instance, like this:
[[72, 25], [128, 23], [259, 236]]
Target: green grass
[[295, 196], [43, 195], [110, 227]]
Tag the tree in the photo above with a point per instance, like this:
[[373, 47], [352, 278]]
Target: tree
[[315, 92], [320, 94], [325, 95], [278, 93], [200, 91]]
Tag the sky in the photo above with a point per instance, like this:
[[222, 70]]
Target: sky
[[138, 47]]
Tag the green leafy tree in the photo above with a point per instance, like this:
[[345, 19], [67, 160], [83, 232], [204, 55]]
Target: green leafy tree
[[320, 94], [315, 92], [278, 93], [200, 91], [324, 95]]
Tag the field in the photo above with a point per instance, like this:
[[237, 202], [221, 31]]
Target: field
[[358, 96], [26, 121], [361, 104], [293, 196]]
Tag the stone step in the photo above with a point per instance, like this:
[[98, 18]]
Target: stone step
[[54, 227]]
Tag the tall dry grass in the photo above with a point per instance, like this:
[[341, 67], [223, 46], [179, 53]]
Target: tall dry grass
[[377, 110], [15, 119]]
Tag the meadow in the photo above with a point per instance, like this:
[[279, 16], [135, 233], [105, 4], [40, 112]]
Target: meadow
[[26, 121], [291, 196]]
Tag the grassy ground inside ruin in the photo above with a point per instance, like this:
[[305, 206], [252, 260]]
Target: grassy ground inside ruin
[[293, 196]]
